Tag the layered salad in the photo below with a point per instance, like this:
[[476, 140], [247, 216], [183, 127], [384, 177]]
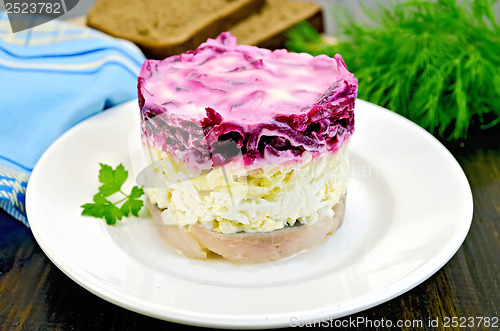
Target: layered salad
[[246, 140]]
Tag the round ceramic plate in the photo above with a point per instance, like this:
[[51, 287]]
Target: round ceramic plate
[[409, 208]]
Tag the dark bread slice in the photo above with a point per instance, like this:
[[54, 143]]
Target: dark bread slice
[[166, 27], [267, 27]]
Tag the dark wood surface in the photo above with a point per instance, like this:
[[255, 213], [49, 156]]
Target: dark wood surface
[[35, 295]]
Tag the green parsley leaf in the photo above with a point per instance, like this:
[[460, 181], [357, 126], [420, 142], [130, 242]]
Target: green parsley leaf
[[93, 209], [131, 206], [112, 181], [99, 198], [111, 214], [137, 192]]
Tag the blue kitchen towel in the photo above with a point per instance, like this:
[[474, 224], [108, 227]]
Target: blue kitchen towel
[[52, 77]]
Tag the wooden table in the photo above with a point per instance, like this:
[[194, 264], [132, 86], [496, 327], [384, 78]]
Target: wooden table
[[35, 295]]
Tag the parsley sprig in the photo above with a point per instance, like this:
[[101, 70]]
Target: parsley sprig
[[112, 181], [434, 62]]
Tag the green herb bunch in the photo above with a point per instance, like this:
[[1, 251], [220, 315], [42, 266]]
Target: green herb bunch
[[434, 62]]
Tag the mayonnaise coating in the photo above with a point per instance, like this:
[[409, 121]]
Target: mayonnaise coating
[[223, 100]]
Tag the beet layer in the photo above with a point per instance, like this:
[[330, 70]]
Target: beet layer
[[256, 125]]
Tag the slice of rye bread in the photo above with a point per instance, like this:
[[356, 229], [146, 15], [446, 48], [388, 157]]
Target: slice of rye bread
[[267, 27], [166, 27]]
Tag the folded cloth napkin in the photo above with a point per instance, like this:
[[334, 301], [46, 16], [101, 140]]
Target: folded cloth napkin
[[52, 77]]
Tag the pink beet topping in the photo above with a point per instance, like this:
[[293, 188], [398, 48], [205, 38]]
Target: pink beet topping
[[223, 100]]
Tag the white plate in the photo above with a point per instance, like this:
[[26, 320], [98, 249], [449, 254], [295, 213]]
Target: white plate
[[409, 208]]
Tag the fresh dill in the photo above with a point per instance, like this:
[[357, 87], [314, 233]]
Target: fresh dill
[[434, 62]]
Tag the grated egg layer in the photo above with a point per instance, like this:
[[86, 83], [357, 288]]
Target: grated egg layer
[[232, 198]]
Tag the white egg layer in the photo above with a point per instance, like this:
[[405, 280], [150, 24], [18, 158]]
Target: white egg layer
[[234, 198]]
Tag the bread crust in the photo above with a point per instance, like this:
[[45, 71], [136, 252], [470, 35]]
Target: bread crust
[[268, 27], [198, 242], [195, 34]]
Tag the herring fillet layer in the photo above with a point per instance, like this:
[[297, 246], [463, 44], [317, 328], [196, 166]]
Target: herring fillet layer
[[222, 101]]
